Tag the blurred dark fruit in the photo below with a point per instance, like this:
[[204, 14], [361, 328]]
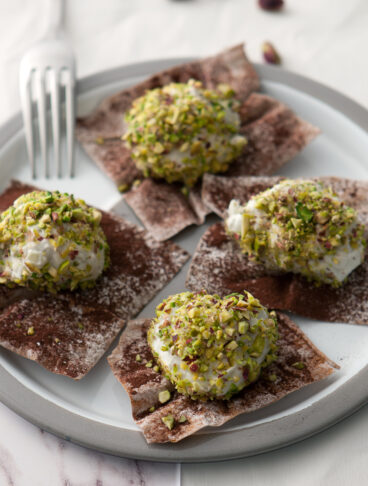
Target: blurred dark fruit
[[271, 4]]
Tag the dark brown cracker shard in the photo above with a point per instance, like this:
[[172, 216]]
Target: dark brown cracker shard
[[219, 266], [144, 384], [230, 67], [128, 362], [106, 121], [64, 337], [275, 135], [217, 191], [140, 267], [68, 332], [164, 209]]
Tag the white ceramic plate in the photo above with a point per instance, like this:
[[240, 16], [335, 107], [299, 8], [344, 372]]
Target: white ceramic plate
[[95, 412]]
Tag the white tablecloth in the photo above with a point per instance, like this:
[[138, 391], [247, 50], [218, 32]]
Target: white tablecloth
[[323, 39]]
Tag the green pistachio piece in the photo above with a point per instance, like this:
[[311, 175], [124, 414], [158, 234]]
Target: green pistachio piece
[[63, 266], [304, 213], [231, 346], [123, 188], [164, 396], [169, 421], [299, 365], [243, 327]]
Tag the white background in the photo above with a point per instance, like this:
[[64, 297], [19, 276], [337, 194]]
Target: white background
[[323, 39]]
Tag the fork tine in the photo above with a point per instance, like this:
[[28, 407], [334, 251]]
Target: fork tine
[[26, 102], [41, 110], [54, 79], [70, 120]]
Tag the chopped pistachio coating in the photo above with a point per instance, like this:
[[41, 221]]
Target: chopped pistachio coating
[[300, 226], [209, 347], [180, 131], [51, 241]]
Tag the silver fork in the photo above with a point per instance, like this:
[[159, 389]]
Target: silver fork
[[47, 70]]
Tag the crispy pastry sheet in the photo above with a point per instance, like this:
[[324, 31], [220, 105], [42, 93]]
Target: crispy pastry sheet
[[144, 384], [68, 332], [275, 135], [106, 121], [219, 266]]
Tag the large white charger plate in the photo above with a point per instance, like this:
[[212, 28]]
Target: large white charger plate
[[95, 412]]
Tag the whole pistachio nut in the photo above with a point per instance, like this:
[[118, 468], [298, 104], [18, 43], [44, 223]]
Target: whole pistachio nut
[[270, 54]]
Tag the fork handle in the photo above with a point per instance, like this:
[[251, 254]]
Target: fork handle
[[56, 14]]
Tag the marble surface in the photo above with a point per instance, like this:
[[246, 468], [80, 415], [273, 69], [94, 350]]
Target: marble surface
[[31, 457], [324, 40]]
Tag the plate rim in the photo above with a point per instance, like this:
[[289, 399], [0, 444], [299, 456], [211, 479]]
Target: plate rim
[[230, 444]]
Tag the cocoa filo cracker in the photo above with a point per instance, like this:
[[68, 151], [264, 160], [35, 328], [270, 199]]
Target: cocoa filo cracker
[[68, 332], [217, 192], [219, 266], [65, 337], [275, 135], [143, 384], [106, 122], [164, 209]]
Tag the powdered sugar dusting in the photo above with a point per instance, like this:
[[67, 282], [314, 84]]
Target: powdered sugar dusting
[[275, 135], [65, 340], [218, 265], [168, 211], [68, 332], [106, 121], [140, 267], [218, 191]]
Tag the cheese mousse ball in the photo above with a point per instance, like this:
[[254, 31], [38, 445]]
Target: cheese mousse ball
[[180, 131], [51, 241], [209, 347], [300, 226]]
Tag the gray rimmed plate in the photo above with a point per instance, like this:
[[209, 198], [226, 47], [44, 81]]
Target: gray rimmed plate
[[95, 412]]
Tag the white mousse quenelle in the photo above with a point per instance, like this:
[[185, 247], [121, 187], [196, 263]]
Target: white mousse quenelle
[[182, 130], [211, 347], [300, 226], [51, 241]]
